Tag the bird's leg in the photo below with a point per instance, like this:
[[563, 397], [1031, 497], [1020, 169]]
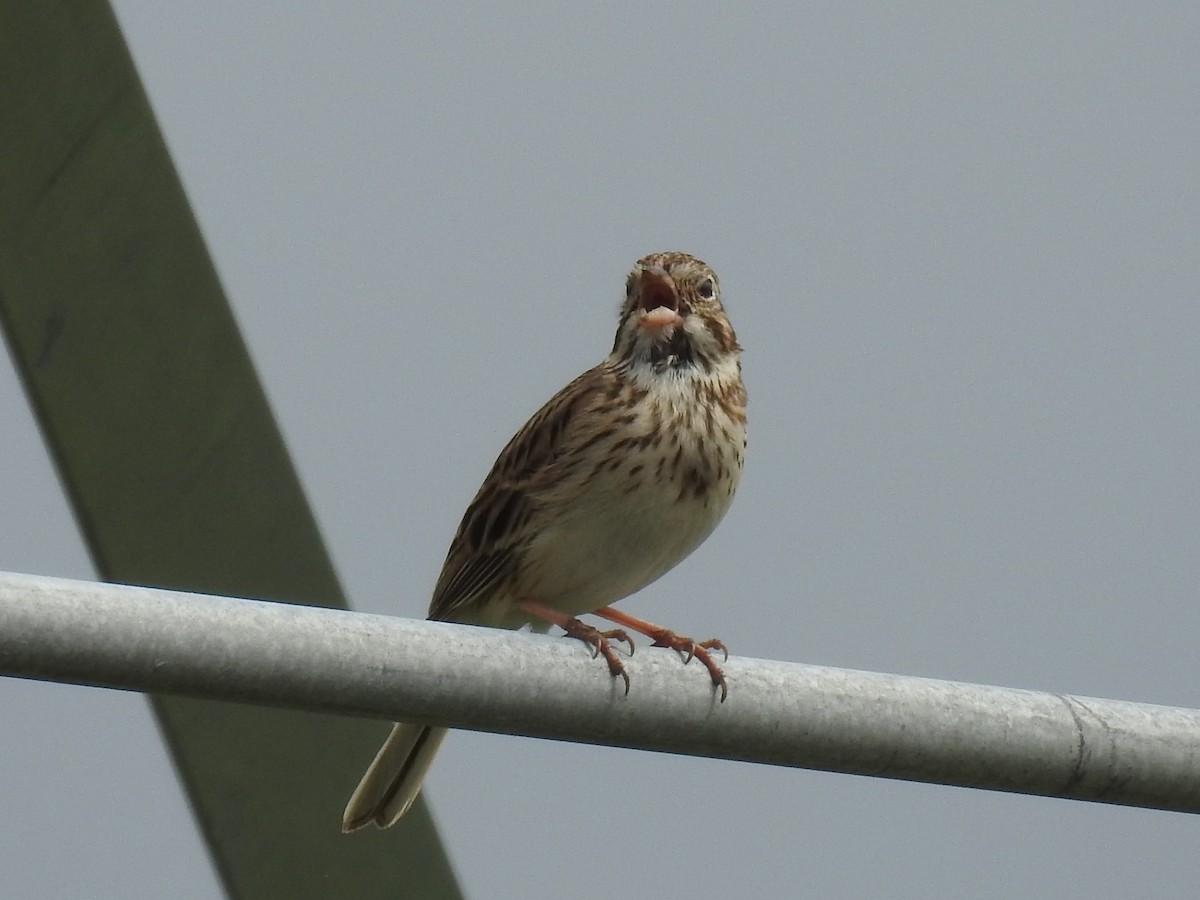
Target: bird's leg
[[664, 637], [599, 641]]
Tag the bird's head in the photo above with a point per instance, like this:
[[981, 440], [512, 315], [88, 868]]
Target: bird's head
[[672, 318]]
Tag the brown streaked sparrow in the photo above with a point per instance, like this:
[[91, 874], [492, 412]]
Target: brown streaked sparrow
[[622, 474]]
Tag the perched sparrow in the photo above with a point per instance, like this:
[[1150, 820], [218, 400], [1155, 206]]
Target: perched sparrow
[[615, 480]]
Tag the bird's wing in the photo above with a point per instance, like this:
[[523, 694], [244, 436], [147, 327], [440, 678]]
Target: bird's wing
[[495, 529]]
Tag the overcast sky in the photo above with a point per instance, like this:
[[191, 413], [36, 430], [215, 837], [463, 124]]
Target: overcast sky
[[960, 245]]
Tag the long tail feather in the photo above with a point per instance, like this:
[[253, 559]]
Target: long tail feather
[[394, 778]]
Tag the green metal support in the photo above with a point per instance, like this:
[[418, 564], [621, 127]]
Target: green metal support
[[167, 449]]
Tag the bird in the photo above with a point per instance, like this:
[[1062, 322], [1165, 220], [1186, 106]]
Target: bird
[[617, 478]]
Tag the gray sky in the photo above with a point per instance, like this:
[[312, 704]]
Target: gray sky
[[959, 244]]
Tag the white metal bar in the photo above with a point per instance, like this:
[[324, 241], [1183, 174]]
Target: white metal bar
[[780, 713]]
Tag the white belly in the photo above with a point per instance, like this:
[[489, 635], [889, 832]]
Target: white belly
[[627, 527], [611, 548]]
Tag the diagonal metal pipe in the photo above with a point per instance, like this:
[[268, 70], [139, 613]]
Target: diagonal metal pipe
[[329, 660]]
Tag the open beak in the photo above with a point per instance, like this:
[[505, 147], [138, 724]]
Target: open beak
[[658, 299]]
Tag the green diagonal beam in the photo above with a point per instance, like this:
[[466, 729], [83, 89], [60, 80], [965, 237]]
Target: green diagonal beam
[[167, 449]]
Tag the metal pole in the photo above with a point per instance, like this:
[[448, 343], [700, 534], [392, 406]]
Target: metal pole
[[779, 713]]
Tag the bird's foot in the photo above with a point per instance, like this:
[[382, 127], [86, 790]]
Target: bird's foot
[[692, 649], [664, 637], [601, 644]]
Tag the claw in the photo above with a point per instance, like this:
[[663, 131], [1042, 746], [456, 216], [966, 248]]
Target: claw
[[618, 634], [714, 671], [690, 650], [714, 644], [601, 643]]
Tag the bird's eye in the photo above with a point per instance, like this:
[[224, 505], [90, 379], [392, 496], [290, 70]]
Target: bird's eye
[[706, 289]]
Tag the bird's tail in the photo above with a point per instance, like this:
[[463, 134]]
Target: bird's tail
[[394, 778]]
